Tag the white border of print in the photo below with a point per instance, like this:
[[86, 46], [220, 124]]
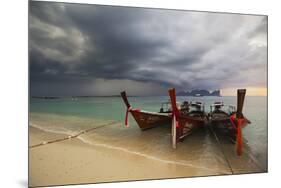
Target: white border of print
[[14, 91]]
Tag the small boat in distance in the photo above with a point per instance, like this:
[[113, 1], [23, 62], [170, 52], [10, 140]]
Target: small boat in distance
[[145, 119], [230, 121]]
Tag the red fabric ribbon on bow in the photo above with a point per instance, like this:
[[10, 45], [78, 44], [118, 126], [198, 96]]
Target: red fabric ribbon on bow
[[127, 116]]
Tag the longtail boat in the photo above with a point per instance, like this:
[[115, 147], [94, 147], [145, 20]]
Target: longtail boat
[[145, 119], [185, 121], [189, 116], [193, 111], [231, 120]]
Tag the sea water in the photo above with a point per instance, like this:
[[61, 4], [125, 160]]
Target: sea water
[[72, 115]]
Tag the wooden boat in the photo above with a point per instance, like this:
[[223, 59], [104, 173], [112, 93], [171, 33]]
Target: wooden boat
[[230, 121], [145, 119], [189, 116], [219, 117], [186, 119]]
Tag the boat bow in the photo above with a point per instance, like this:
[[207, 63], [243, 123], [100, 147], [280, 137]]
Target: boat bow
[[144, 119]]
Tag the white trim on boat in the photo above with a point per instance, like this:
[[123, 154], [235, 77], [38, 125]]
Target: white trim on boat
[[156, 113]]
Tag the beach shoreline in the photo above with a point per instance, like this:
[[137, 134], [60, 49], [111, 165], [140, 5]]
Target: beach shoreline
[[72, 161]]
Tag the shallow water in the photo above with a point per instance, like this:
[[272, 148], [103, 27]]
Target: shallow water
[[70, 116]]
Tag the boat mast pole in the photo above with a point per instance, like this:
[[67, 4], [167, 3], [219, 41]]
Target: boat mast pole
[[172, 94]]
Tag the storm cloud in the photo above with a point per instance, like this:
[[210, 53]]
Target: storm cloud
[[100, 50]]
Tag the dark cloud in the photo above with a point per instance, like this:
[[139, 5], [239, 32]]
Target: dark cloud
[[78, 49]]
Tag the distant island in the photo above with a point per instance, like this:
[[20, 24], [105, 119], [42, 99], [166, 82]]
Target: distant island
[[198, 93]]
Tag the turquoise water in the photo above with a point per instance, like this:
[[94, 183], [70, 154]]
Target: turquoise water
[[51, 114]]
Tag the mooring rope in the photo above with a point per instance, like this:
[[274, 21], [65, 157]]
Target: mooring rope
[[220, 146], [72, 136]]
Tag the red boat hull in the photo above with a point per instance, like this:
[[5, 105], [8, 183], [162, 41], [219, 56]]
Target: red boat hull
[[147, 120], [187, 124], [223, 123]]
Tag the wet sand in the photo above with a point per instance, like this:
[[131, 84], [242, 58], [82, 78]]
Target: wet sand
[[72, 161]]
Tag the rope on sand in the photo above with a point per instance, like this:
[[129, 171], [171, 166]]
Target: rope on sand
[[72, 136], [220, 146]]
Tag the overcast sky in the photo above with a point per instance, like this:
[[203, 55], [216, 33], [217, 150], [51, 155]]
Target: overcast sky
[[101, 50]]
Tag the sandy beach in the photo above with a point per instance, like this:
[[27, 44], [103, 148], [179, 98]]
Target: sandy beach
[[72, 161]]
